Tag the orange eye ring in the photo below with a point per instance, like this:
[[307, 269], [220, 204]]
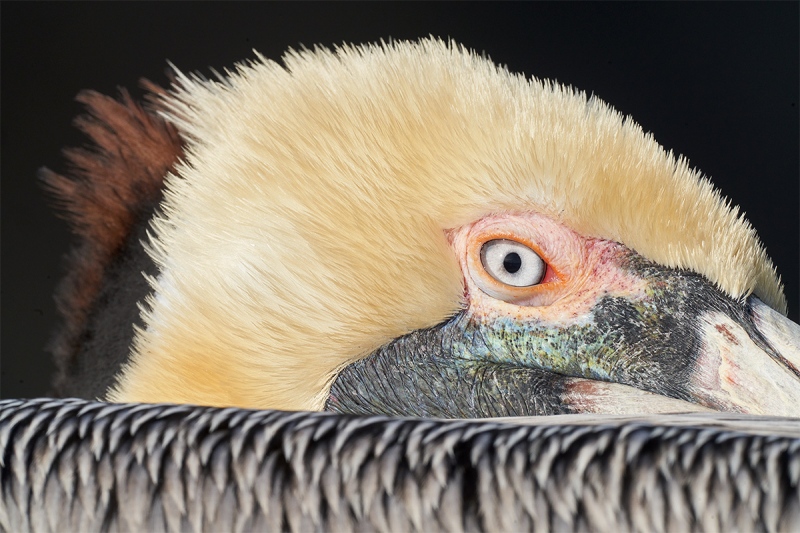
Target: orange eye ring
[[528, 285], [512, 263]]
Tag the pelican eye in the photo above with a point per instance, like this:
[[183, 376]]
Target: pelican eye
[[512, 263]]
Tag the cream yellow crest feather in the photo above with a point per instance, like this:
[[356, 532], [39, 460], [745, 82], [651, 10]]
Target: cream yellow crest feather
[[306, 225]]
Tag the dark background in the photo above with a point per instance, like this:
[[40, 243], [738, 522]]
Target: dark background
[[716, 82]]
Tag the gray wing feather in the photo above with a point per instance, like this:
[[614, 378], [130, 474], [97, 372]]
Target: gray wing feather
[[72, 465]]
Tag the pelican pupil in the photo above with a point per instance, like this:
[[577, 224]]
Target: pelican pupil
[[512, 262]]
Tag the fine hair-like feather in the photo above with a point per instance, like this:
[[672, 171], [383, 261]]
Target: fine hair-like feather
[[305, 226]]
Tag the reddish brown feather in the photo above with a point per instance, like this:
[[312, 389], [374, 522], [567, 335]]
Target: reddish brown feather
[[108, 184]]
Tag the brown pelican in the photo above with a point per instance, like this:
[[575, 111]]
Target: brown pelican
[[409, 230]]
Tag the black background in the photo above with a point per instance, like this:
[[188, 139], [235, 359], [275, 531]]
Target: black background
[[716, 82]]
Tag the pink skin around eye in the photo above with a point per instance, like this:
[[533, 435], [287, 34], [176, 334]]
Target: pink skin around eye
[[580, 270]]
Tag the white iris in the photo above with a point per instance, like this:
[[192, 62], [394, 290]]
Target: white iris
[[512, 263]]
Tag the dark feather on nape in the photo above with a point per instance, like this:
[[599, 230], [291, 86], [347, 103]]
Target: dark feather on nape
[[109, 185]]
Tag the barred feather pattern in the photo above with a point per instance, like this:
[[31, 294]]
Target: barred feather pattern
[[73, 465]]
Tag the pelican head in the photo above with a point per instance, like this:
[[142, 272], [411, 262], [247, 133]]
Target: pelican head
[[408, 228]]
